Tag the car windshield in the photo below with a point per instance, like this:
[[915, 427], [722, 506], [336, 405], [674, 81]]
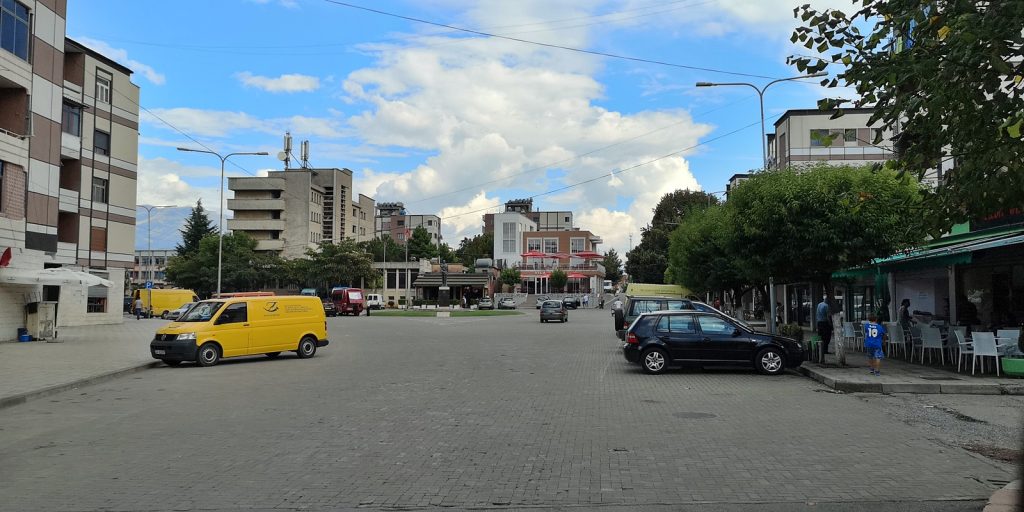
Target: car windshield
[[201, 312], [553, 304], [355, 295]]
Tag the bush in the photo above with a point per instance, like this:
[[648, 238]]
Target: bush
[[792, 331]]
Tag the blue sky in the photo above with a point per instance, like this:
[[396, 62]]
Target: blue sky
[[449, 122]]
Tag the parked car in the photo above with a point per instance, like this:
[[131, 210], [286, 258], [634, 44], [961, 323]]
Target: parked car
[[540, 300], [374, 301], [176, 313], [553, 310], [219, 328], [347, 301], [636, 306], [329, 308], [662, 339], [571, 302], [507, 303], [485, 303]]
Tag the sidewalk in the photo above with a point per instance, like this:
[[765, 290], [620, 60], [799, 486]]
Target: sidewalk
[[1007, 499], [83, 355], [899, 376]]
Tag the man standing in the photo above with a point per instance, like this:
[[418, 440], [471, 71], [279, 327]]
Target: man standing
[[824, 322], [138, 308]]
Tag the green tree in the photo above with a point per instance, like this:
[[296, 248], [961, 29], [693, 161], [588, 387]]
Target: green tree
[[559, 279], [243, 269], [378, 246], [647, 262], [701, 256], [612, 266], [421, 245], [947, 77], [807, 225], [447, 254], [510, 277], [337, 264], [472, 249], [197, 226]]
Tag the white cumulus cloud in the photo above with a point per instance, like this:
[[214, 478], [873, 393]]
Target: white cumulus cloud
[[285, 83]]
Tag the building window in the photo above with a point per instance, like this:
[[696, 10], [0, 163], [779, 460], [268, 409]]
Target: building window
[[103, 87], [430, 222], [850, 135], [100, 190], [71, 120], [508, 237], [820, 138], [98, 239], [533, 244], [576, 245], [353, 230], [567, 218], [401, 222], [354, 212], [550, 245], [14, 32], [101, 143]]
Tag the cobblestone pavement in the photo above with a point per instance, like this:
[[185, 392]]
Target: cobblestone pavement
[[496, 412], [78, 353]]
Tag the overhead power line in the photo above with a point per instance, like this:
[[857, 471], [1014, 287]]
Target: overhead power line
[[546, 45]]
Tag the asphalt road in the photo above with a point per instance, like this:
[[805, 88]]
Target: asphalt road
[[488, 413]]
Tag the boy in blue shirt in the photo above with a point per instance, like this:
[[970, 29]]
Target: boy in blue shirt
[[873, 334]]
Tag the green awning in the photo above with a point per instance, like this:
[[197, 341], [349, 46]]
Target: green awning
[[937, 254]]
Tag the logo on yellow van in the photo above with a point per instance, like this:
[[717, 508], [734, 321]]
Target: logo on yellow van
[[270, 307]]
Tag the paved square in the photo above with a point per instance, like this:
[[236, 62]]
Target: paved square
[[500, 412]]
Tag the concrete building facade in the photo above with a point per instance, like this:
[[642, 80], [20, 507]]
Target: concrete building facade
[[394, 221], [509, 241], [545, 220], [804, 137], [151, 264], [293, 210], [68, 165]]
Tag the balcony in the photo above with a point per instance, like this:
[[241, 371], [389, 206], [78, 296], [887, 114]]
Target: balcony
[[256, 184], [564, 266], [270, 245], [256, 204], [70, 146], [68, 201], [256, 225]]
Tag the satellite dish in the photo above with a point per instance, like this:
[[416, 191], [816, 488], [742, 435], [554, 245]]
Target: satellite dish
[[282, 156]]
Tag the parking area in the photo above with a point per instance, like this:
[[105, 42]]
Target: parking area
[[490, 412]]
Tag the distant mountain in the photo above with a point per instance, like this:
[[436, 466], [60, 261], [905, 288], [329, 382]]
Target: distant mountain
[[166, 226]]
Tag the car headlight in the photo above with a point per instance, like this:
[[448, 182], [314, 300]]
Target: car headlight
[[186, 336]]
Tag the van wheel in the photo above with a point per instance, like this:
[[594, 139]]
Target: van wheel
[[208, 354], [273, 355], [307, 347], [163, 315]]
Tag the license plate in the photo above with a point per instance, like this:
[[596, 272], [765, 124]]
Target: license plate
[[159, 352]]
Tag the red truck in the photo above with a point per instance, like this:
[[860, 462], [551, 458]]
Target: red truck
[[348, 301]]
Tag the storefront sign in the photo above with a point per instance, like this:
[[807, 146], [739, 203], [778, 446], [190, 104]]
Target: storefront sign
[[1005, 217]]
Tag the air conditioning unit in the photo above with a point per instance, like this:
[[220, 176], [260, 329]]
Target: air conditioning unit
[[42, 320]]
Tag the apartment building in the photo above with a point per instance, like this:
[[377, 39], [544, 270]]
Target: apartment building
[[151, 265], [293, 210], [394, 221], [545, 220], [68, 162], [363, 218], [805, 137], [574, 252], [509, 244]]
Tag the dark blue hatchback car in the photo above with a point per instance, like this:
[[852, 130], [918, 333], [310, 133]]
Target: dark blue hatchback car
[[661, 339]]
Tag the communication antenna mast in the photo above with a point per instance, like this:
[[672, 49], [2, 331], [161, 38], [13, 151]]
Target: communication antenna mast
[[304, 154], [286, 155]]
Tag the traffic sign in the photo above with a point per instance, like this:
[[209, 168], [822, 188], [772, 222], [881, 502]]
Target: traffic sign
[[149, 285]]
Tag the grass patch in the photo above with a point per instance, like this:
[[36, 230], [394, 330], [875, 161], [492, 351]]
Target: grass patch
[[486, 313], [402, 312]]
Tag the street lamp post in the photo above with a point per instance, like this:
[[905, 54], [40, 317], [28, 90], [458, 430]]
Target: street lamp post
[[220, 225], [149, 246], [764, 159]]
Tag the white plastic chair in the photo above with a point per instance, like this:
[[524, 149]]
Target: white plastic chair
[[895, 342], [913, 337], [984, 346], [931, 339], [1009, 336], [849, 336], [964, 348]]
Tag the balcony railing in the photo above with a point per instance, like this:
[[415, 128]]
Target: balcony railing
[[564, 265]]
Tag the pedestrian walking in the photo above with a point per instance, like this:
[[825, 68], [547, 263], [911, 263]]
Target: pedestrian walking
[[824, 322], [873, 334], [586, 301], [138, 308]]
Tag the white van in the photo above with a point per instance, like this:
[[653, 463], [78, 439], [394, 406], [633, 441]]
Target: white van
[[374, 301]]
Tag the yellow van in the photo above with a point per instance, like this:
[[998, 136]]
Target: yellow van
[[243, 326], [164, 301]]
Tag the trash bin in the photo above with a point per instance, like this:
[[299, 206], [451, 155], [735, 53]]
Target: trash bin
[[23, 334]]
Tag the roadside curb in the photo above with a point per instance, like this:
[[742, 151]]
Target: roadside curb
[[1007, 499], [921, 388], [10, 401]]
